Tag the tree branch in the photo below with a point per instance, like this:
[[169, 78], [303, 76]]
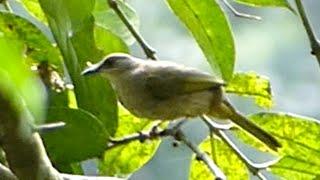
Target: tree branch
[[201, 156], [154, 133], [314, 43], [150, 52], [24, 150]]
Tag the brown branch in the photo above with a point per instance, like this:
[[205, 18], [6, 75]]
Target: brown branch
[[150, 52], [154, 133], [201, 156], [314, 43], [24, 150]]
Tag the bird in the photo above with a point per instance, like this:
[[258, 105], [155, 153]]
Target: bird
[[164, 90]]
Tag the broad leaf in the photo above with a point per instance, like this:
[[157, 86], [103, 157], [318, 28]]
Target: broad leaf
[[72, 23], [224, 157], [108, 42], [33, 7], [209, 26], [107, 19], [83, 137], [299, 137], [17, 8], [252, 85], [37, 46]]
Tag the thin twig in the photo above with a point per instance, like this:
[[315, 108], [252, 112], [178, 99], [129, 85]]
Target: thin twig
[[202, 156], [47, 128], [314, 43], [239, 14], [150, 52], [142, 136], [254, 169]]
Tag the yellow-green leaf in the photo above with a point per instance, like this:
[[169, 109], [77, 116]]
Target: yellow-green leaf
[[299, 137], [252, 85], [125, 159]]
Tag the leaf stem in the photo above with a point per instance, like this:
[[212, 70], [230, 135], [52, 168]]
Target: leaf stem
[[148, 50], [239, 14], [314, 43]]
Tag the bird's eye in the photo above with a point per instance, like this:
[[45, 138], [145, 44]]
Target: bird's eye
[[109, 62]]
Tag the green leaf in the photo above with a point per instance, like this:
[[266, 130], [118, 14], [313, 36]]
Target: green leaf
[[83, 137], [129, 157], [209, 26], [108, 42], [72, 23], [18, 82], [264, 3], [224, 157], [33, 7], [252, 85], [107, 19], [299, 137], [37, 46], [18, 9]]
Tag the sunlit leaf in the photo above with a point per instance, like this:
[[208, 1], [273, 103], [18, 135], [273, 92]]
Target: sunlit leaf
[[299, 137], [34, 8], [107, 19], [18, 9], [209, 26], [224, 157], [37, 46], [125, 159], [18, 82], [252, 85], [108, 42]]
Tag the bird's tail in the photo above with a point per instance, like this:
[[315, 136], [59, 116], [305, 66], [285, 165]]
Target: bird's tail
[[256, 131], [250, 127]]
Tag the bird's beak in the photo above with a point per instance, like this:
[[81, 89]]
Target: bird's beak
[[93, 69]]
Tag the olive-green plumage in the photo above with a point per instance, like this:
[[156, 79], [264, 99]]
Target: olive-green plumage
[[166, 91]]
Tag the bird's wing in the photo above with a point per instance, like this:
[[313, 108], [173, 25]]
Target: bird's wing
[[169, 81]]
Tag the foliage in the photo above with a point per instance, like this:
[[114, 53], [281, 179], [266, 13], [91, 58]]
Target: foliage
[[65, 34], [202, 19], [252, 85]]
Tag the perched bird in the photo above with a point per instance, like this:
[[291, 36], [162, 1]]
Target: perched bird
[[164, 90]]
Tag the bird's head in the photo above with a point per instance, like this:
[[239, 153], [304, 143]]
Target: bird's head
[[111, 64]]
